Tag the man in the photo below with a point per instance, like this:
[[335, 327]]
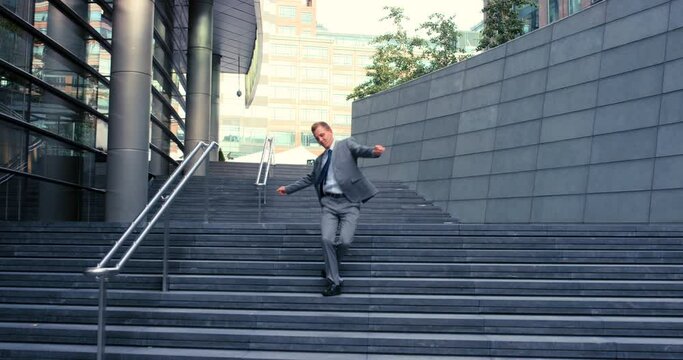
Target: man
[[341, 188]]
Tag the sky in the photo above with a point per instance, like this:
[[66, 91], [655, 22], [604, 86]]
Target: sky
[[362, 16]]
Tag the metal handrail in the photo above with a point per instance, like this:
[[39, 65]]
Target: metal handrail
[[262, 182], [267, 147], [103, 272]]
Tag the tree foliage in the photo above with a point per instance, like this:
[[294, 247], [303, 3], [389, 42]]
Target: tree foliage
[[501, 22], [401, 57]]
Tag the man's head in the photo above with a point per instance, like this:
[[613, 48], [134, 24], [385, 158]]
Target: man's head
[[323, 134]]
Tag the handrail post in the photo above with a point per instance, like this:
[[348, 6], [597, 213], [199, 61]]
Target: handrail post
[[102, 317], [164, 265]]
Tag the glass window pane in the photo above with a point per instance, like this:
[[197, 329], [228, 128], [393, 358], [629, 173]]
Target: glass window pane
[[15, 44]]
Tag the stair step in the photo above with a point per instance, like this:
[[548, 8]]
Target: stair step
[[345, 341], [561, 325], [408, 303]]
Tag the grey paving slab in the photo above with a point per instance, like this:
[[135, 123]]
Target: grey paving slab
[[513, 160], [629, 145], [621, 176], [470, 211], [558, 209], [406, 152], [508, 210], [474, 142], [637, 26], [516, 135], [620, 88], [481, 96], [472, 165], [628, 115], [435, 169], [360, 123], [476, 187], [676, 14], [527, 61], [617, 207], [484, 74], [384, 101], [633, 56], [479, 119], [518, 184], [361, 107], [575, 98], [408, 133], [415, 91], [434, 189], [383, 136], [577, 45], [669, 140], [438, 148], [674, 50], [620, 9], [672, 108], [568, 126], [673, 75], [668, 173], [405, 171], [561, 181], [439, 127], [445, 105], [382, 120], [411, 113], [565, 153], [529, 108], [580, 21], [667, 206], [574, 72], [445, 85], [525, 85]]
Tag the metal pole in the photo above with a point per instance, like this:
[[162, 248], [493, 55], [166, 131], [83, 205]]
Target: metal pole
[[164, 280], [102, 318]]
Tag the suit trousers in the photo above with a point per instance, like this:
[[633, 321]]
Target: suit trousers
[[337, 214]]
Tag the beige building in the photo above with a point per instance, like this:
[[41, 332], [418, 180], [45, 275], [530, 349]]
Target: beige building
[[306, 74]]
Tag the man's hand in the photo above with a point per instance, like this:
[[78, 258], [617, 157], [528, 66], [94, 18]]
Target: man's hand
[[378, 150], [281, 190]]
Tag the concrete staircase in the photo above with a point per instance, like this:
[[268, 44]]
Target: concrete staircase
[[413, 289]]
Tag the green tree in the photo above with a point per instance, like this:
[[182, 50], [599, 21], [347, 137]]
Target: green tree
[[401, 57], [501, 22], [441, 46]]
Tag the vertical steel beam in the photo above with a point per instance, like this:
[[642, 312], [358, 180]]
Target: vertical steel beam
[[199, 61], [129, 115]]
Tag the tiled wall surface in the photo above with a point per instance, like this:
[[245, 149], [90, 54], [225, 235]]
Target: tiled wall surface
[[577, 122]]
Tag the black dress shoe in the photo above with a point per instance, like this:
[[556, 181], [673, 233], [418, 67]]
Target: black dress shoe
[[332, 290]]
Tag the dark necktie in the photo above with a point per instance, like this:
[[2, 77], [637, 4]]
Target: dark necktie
[[323, 172]]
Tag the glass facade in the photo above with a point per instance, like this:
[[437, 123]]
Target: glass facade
[[55, 68], [553, 10]]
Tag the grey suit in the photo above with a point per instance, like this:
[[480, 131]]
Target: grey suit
[[339, 212]]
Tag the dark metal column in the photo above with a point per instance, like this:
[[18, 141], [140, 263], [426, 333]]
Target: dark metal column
[[215, 103], [131, 80], [199, 61]]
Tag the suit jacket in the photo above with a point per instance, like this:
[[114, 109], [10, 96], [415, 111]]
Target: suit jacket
[[351, 180]]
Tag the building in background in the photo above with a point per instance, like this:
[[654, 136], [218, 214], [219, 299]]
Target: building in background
[[56, 96], [306, 74], [552, 10]]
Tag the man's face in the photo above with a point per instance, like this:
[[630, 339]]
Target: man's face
[[323, 136]]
